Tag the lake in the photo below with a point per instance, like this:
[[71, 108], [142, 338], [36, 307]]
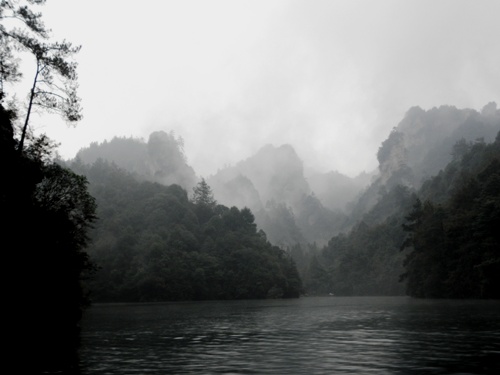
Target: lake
[[310, 335]]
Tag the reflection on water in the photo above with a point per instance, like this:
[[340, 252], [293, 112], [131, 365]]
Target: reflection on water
[[313, 335]]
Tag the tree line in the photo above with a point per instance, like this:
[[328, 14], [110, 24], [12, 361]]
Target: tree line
[[440, 241], [454, 245], [155, 243]]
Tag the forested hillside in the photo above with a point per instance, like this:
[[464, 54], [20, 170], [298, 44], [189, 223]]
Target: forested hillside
[[440, 237], [152, 243], [454, 243]]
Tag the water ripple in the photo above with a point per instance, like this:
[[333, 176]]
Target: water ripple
[[307, 336]]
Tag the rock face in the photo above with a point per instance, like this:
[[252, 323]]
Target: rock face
[[427, 137], [393, 161], [167, 162], [422, 144]]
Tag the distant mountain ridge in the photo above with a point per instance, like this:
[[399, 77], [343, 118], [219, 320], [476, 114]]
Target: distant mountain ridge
[[292, 207], [273, 185], [161, 159], [422, 144], [275, 173], [345, 234]]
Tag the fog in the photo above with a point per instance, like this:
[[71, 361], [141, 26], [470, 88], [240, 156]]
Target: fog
[[331, 78]]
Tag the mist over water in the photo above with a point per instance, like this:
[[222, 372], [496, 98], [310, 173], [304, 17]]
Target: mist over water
[[314, 335]]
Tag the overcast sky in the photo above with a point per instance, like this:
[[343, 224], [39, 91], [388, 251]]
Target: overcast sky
[[331, 78]]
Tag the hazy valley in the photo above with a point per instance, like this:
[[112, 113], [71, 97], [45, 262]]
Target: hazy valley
[[309, 214]]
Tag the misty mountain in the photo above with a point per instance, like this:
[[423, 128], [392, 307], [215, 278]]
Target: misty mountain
[[276, 173], [445, 142], [336, 190], [344, 233], [296, 206], [429, 136], [441, 240], [272, 184], [161, 159], [422, 144]]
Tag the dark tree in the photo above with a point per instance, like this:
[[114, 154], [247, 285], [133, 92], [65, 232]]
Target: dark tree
[[203, 195], [46, 212], [454, 245], [204, 201], [152, 243]]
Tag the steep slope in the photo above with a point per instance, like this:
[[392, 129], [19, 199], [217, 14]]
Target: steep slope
[[423, 144], [452, 246], [429, 136]]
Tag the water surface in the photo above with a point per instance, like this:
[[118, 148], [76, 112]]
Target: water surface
[[311, 335]]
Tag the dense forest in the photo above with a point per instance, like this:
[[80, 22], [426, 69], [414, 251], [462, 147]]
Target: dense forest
[[454, 242], [154, 243]]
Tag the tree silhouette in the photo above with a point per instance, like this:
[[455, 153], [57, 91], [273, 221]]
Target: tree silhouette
[[54, 85], [46, 212]]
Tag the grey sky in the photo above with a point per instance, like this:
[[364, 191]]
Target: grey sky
[[332, 78]]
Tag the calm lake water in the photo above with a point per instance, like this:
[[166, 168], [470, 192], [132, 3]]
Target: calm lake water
[[310, 335]]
